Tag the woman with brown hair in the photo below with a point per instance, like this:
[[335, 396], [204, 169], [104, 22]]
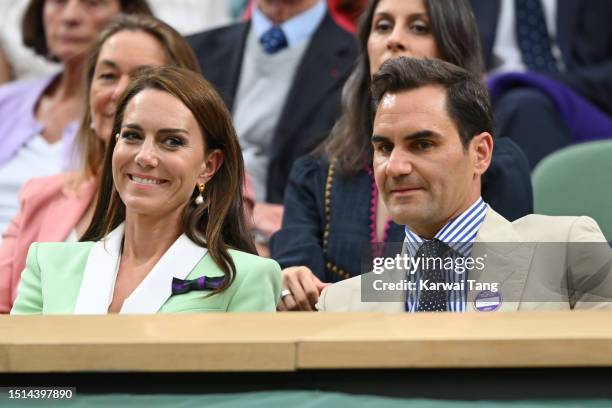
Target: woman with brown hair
[[169, 224], [60, 207], [334, 216], [38, 119]]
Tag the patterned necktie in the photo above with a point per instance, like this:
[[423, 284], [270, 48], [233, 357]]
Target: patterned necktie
[[432, 254], [273, 40], [180, 286], [532, 36]]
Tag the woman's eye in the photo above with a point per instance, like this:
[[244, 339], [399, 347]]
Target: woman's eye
[[383, 26], [107, 76], [130, 136], [174, 142], [420, 28]]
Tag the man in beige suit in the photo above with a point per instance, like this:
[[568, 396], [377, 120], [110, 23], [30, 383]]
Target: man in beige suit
[[432, 141]]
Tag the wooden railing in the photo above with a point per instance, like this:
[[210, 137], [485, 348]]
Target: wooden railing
[[303, 341]]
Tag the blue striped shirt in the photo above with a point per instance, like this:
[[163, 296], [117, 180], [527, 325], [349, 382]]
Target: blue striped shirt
[[459, 234]]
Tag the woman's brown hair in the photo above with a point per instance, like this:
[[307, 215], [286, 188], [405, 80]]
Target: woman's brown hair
[[217, 224], [88, 147], [456, 34], [33, 28]]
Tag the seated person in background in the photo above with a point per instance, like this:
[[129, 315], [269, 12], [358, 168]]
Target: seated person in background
[[333, 210], [20, 62], [169, 226], [60, 207], [550, 68], [38, 118], [281, 74], [432, 140]]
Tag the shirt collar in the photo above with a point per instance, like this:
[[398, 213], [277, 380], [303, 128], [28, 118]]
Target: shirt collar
[[297, 29], [459, 233]]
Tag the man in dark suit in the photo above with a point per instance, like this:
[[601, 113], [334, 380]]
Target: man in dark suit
[[281, 75], [569, 41]]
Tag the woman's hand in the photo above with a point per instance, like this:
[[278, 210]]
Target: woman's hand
[[301, 289]]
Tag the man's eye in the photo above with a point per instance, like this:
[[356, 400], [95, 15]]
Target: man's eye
[[384, 148], [423, 145]]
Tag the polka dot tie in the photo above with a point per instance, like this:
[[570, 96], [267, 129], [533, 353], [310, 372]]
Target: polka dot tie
[[532, 36], [432, 300], [273, 40]]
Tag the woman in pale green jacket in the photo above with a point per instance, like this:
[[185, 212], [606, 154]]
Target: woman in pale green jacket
[[168, 232]]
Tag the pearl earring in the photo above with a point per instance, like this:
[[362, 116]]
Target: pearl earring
[[199, 200]]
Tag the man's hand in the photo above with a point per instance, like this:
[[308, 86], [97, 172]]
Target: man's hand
[[304, 289]]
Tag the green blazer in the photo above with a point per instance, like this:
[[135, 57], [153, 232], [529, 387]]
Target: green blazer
[[67, 278]]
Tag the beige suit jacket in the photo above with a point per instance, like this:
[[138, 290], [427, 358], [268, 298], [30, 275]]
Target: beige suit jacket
[[539, 262]]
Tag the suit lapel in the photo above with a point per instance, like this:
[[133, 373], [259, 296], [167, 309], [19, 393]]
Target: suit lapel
[[180, 259], [487, 16], [368, 300], [567, 16], [230, 51], [96, 292], [321, 68], [65, 213], [507, 260]]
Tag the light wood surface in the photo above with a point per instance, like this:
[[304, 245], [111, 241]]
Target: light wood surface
[[298, 341], [205, 342], [446, 340]]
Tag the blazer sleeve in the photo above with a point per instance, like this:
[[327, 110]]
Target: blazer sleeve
[[9, 270], [506, 185], [321, 305], [7, 260], [590, 266], [259, 291], [29, 292], [299, 241]]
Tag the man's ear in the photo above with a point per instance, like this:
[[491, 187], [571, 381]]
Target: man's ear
[[212, 162], [481, 148]]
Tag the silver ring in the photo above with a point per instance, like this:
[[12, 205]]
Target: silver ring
[[285, 293]]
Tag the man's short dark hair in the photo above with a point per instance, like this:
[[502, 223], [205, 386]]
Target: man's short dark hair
[[467, 98]]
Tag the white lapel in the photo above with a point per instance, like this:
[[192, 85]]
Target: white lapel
[[178, 262], [98, 281]]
